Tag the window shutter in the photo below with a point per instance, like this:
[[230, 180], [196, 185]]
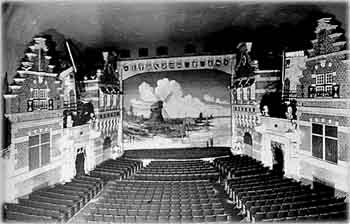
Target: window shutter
[[317, 149], [45, 154], [34, 158], [331, 150]]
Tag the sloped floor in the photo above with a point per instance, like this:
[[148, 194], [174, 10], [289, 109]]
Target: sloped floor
[[229, 207]]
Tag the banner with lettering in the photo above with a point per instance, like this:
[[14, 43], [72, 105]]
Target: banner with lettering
[[129, 68]]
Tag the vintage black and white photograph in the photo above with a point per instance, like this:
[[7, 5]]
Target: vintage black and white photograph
[[174, 111]]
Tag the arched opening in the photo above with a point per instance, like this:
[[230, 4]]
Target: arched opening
[[286, 87], [247, 139], [80, 161], [277, 160], [248, 144], [107, 147], [107, 143]]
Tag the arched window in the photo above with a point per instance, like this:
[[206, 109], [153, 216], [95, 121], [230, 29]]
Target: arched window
[[247, 139], [107, 143]]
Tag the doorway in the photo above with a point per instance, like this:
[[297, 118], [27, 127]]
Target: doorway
[[107, 148], [248, 144], [278, 160], [80, 162]]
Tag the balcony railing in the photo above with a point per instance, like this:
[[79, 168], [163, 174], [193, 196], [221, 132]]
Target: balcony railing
[[69, 105], [312, 93], [39, 104], [288, 96]]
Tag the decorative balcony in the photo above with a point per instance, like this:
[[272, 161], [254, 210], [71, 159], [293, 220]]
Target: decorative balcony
[[69, 105], [288, 96], [283, 127]]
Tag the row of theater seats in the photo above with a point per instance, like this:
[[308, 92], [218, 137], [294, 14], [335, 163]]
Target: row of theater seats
[[271, 197], [157, 201], [60, 202], [235, 166], [178, 170], [57, 203], [178, 153], [116, 169]]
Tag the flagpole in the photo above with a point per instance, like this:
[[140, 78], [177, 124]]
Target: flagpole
[[283, 72], [71, 56]]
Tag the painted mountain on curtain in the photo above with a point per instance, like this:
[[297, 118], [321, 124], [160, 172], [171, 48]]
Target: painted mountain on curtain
[[177, 109]]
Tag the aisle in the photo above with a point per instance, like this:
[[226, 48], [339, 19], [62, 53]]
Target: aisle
[[228, 204]]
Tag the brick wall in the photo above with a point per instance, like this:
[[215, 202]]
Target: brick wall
[[333, 64], [19, 104], [25, 187], [305, 135], [21, 157], [343, 121], [326, 104], [24, 131], [55, 150], [98, 146], [257, 137], [343, 146], [327, 172]]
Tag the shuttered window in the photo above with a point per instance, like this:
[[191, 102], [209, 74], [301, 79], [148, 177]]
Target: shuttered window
[[34, 158]]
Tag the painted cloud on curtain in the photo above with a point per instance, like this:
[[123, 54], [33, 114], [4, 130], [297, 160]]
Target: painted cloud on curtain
[[175, 102]]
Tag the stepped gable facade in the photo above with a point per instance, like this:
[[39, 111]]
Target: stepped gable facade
[[250, 86], [323, 108], [51, 122]]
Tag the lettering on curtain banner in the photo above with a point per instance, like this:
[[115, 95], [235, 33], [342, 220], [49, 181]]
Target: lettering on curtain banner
[[219, 62]]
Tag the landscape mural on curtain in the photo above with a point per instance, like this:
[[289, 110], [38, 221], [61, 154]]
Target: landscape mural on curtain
[[169, 109]]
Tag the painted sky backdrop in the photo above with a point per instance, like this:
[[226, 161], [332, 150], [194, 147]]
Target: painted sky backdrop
[[184, 93]]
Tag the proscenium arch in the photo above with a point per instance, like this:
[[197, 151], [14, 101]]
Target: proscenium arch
[[129, 68]]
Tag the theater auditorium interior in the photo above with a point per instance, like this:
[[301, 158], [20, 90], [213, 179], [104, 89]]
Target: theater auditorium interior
[[174, 112]]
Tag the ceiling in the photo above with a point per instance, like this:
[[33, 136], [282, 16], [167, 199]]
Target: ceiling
[[213, 26]]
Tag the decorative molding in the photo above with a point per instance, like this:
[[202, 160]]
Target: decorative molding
[[334, 35], [15, 86], [325, 111], [91, 88], [328, 55], [37, 73], [19, 79], [339, 43], [35, 115], [10, 96], [266, 71], [91, 81]]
